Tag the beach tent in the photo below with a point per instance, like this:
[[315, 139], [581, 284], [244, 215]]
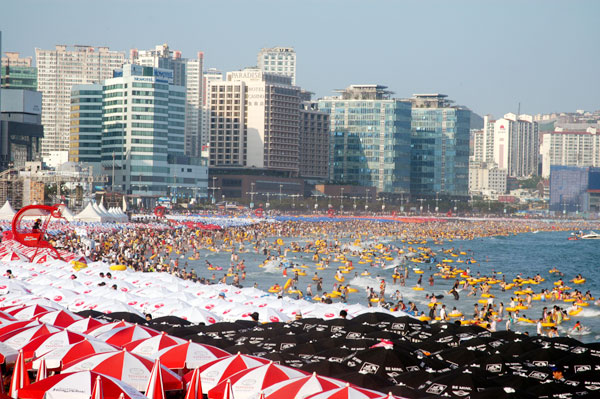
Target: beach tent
[[66, 213], [89, 214], [106, 217], [7, 212]]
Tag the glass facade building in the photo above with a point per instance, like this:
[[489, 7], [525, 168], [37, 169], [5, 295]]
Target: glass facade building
[[370, 138], [19, 77], [86, 124], [574, 189], [439, 156]]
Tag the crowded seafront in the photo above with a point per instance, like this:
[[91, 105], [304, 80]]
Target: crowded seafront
[[412, 307]]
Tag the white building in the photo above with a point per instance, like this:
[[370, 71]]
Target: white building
[[143, 134], [210, 75], [278, 60], [58, 71], [486, 179], [254, 121], [512, 143], [570, 148]]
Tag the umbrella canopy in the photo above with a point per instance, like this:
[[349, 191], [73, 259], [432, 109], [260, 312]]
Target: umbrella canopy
[[347, 392], [125, 335], [13, 255], [20, 378], [18, 338], [99, 329], [44, 344], [84, 325], [60, 318], [67, 354], [249, 383], [126, 366], [194, 389], [154, 389], [150, 346], [78, 385], [7, 353], [302, 387], [221, 369], [189, 355], [29, 312]]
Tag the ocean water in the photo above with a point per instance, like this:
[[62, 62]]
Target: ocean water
[[524, 254]]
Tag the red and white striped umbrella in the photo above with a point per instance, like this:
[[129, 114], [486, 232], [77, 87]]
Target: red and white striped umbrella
[[43, 258], [42, 371], [13, 255], [7, 353], [126, 366], [13, 287], [189, 355], [194, 389], [67, 354], [302, 387], [15, 325], [150, 346], [6, 317], [154, 389], [220, 369], [125, 335], [46, 343], [31, 311], [60, 318], [83, 325], [18, 338], [348, 392], [78, 386], [249, 383], [97, 392], [20, 378], [99, 329]]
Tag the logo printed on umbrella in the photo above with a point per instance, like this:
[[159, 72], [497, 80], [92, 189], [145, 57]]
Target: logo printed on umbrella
[[436, 389], [538, 375], [460, 392], [136, 371], [494, 368], [368, 368], [581, 368], [58, 298]]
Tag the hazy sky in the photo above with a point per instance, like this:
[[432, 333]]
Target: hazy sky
[[489, 55]]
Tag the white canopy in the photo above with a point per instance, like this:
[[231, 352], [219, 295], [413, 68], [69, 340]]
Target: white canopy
[[66, 213], [7, 212], [89, 214]]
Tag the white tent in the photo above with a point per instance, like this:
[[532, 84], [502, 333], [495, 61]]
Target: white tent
[[7, 212], [105, 216], [66, 213], [89, 214]]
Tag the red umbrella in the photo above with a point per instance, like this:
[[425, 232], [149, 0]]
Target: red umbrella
[[15, 325], [194, 390], [99, 329], [249, 383], [124, 335], [67, 354], [302, 387], [190, 355], [18, 338], [31, 311], [154, 389], [348, 392], [20, 378], [60, 318], [44, 344], [83, 325], [42, 371], [131, 368], [151, 346], [97, 392], [219, 370], [79, 386], [228, 391], [6, 317]]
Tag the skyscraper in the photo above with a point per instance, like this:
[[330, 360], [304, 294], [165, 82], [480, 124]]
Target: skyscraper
[[278, 60], [86, 124], [58, 71], [439, 160], [370, 138], [254, 121], [18, 73], [314, 141]]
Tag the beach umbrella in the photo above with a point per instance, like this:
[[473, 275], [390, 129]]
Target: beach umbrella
[[386, 363], [8, 354], [124, 335], [194, 389], [414, 379], [15, 325], [501, 393], [18, 338], [124, 316], [288, 359], [170, 321], [20, 378], [13, 255], [154, 389], [44, 344], [102, 328], [68, 354], [10, 286], [249, 383], [6, 317], [42, 371], [370, 381], [228, 394], [221, 369], [150, 346], [196, 315], [189, 355], [31, 311], [327, 368], [301, 387], [97, 392], [126, 366], [374, 317], [79, 385], [347, 392], [84, 324], [457, 383], [60, 318]]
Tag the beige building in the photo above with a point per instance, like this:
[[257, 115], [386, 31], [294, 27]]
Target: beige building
[[570, 148], [486, 179], [278, 60], [58, 71], [13, 59], [314, 142]]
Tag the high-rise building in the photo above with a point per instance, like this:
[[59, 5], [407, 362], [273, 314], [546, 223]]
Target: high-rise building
[[210, 75], [254, 121], [17, 72], [143, 134], [58, 71], [188, 73], [369, 138], [513, 144], [314, 142], [574, 189], [86, 124], [278, 60], [570, 148], [439, 160]]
